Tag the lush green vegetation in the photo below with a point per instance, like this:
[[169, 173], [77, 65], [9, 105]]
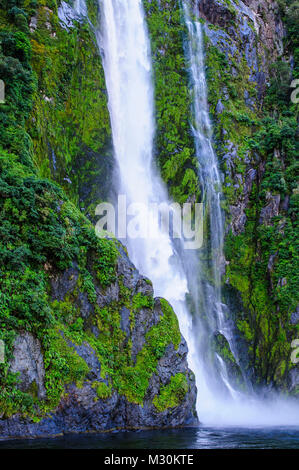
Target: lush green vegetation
[[70, 118], [270, 261], [134, 381], [290, 14], [172, 394], [55, 114], [174, 141], [16, 72], [263, 258], [43, 234]]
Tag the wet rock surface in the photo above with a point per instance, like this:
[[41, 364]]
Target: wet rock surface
[[28, 363], [247, 32], [81, 410], [270, 210]]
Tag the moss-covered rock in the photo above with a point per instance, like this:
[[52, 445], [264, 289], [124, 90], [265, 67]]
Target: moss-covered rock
[[255, 128], [69, 122], [175, 150], [69, 299]]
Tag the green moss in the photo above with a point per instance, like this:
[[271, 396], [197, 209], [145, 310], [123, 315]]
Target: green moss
[[42, 232], [244, 328], [105, 264], [61, 100], [93, 11], [69, 123], [173, 394], [236, 124], [262, 135], [142, 301], [103, 390], [62, 365], [86, 284], [134, 380], [174, 142]]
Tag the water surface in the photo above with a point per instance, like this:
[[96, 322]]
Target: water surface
[[193, 438]]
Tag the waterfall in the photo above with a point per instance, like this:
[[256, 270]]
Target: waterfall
[[80, 7], [209, 175], [220, 400], [124, 42]]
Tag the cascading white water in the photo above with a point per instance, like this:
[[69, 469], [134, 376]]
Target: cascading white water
[[123, 40], [213, 378], [209, 175], [126, 53], [80, 7], [215, 407]]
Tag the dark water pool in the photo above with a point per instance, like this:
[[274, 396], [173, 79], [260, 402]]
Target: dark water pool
[[195, 438]]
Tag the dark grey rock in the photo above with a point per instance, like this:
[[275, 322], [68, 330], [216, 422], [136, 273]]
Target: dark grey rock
[[216, 12], [80, 409], [172, 362], [221, 40], [89, 355], [86, 309], [64, 283], [295, 316], [220, 107], [249, 101], [293, 379], [285, 204], [29, 364], [271, 262], [271, 209], [125, 320]]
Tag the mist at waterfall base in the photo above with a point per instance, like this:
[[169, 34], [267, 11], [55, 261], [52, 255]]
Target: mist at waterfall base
[[123, 41]]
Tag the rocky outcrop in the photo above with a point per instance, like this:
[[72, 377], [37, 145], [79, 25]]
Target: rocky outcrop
[[217, 12], [81, 410], [28, 363], [244, 32], [248, 76], [84, 169], [268, 22], [238, 215], [243, 19], [271, 209], [295, 316], [87, 347], [81, 407]]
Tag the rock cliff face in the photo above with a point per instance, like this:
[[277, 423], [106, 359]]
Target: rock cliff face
[[70, 118], [249, 35], [156, 366], [250, 63], [249, 69], [28, 363], [262, 17], [87, 347]]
